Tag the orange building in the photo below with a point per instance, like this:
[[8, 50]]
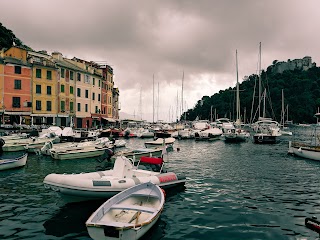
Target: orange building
[[16, 86]]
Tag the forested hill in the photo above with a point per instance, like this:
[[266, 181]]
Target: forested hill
[[7, 38], [301, 93]]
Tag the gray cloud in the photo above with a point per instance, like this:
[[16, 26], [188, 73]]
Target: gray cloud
[[165, 38]]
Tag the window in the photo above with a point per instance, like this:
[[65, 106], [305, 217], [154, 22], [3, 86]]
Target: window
[[62, 88], [86, 107], [71, 75], [62, 72], [87, 93], [17, 69], [38, 73], [99, 97], [79, 77], [16, 102], [38, 89], [99, 83], [48, 105], [78, 92], [97, 110], [62, 106], [71, 106], [109, 100], [17, 84], [48, 90], [93, 96], [86, 78], [71, 90], [49, 75], [93, 81], [79, 107], [109, 110], [38, 105]]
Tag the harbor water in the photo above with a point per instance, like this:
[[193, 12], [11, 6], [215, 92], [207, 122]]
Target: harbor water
[[234, 191]]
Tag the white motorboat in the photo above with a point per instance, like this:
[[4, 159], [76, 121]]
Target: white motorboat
[[87, 151], [266, 131], [145, 133], [209, 134], [160, 142], [49, 146], [14, 162], [20, 144], [233, 134], [119, 143], [105, 184], [127, 215], [136, 154], [186, 133]]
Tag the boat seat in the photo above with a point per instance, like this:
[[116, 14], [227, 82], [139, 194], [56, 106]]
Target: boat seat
[[133, 207], [115, 224]]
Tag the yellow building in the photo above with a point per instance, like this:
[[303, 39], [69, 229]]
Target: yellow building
[[44, 88]]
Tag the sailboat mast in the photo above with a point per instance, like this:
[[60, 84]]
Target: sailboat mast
[[282, 109], [260, 95], [153, 100], [182, 93], [238, 96], [158, 103]]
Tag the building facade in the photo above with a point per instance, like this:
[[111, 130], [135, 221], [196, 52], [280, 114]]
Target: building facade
[[38, 88]]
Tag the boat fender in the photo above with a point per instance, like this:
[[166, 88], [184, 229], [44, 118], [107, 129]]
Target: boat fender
[[164, 192]]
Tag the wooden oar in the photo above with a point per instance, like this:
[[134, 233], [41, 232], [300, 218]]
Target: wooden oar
[[136, 215]]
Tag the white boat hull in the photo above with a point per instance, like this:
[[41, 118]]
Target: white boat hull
[[305, 151], [66, 155], [128, 215], [105, 184], [13, 163]]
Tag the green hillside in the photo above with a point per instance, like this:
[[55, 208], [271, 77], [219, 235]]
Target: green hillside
[[7, 37], [301, 94]]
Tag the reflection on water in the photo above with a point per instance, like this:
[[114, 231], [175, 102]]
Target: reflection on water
[[234, 191]]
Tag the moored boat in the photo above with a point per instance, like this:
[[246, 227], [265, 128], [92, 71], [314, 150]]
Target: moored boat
[[127, 215], [304, 150], [105, 184], [136, 154], [159, 142], [14, 162], [78, 152]]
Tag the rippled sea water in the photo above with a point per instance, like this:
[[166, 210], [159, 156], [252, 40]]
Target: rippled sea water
[[234, 191]]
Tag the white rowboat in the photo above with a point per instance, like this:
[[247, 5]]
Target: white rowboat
[[13, 163], [127, 215]]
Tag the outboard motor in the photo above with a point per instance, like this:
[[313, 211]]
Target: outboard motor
[[2, 142], [105, 160]]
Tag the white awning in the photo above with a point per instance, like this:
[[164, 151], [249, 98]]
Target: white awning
[[17, 113], [109, 119], [43, 115]]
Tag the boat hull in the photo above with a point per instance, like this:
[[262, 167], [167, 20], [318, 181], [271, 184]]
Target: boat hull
[[261, 139], [13, 163], [76, 155], [70, 194], [108, 223], [305, 152]]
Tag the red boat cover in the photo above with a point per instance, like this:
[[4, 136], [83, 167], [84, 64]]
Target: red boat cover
[[151, 160]]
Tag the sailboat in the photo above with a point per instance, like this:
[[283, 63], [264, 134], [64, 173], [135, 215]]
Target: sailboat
[[234, 132], [266, 129], [283, 129]]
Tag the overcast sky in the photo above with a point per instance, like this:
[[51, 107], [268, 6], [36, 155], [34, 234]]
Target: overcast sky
[[163, 38]]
